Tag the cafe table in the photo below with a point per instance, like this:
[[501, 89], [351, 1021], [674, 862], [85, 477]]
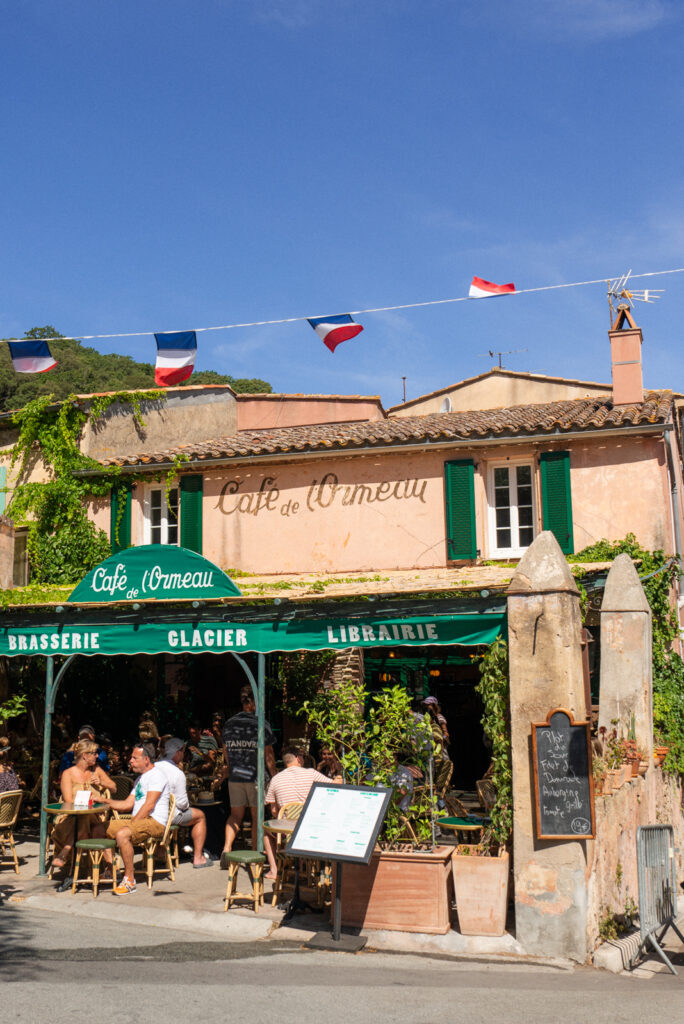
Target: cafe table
[[67, 807], [469, 825]]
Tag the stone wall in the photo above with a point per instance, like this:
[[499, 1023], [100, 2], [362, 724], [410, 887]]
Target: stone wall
[[611, 857]]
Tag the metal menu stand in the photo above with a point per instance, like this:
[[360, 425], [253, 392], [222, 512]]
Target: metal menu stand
[[339, 823]]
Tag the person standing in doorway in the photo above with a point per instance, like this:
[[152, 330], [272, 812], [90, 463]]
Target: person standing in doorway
[[240, 751]]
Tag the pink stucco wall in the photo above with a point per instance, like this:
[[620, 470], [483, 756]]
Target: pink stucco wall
[[333, 515], [260, 412], [619, 486], [373, 512]]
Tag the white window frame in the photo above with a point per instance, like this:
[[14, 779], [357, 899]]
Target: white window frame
[[494, 550], [166, 519]]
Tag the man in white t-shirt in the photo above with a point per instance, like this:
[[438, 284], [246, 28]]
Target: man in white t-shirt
[[149, 803], [186, 816], [292, 785]]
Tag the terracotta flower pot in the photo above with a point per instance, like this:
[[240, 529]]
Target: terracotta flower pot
[[481, 888], [407, 892]]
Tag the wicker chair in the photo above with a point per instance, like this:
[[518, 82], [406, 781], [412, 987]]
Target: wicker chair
[[123, 786], [284, 864], [150, 846], [9, 812], [486, 791]]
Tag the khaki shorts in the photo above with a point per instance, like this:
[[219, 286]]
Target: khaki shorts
[[242, 794], [141, 828]]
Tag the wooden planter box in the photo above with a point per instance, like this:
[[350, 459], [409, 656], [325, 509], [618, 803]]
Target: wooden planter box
[[401, 892], [481, 885]]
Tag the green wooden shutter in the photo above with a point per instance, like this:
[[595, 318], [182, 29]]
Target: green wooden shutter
[[459, 489], [120, 538], [556, 498], [191, 512]]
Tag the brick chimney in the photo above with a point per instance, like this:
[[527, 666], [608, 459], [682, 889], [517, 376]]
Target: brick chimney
[[625, 353]]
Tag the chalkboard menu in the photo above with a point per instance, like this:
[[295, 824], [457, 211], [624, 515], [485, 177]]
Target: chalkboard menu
[[563, 784]]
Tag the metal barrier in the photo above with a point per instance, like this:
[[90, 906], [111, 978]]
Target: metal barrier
[[657, 888]]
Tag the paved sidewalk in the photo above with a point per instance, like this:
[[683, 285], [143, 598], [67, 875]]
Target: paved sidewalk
[[194, 903]]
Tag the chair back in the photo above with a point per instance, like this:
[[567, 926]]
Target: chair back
[[290, 811], [486, 791], [169, 821], [10, 803], [124, 785]]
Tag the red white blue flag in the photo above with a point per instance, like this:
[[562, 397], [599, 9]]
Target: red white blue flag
[[175, 357], [481, 289], [31, 356], [334, 329]]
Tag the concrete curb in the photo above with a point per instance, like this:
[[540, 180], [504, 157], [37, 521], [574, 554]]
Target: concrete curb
[[231, 927], [237, 927]]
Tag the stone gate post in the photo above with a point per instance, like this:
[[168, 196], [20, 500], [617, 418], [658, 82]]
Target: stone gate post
[[627, 663], [545, 664]]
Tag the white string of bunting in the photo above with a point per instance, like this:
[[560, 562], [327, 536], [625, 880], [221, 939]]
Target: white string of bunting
[[176, 350]]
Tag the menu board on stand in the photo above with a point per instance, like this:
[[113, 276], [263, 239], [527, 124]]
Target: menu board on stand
[[339, 823]]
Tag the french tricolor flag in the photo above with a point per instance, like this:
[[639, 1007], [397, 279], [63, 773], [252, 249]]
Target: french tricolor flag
[[334, 329], [32, 356], [175, 357], [481, 289]]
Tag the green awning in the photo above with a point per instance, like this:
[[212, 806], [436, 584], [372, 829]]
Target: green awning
[[215, 636]]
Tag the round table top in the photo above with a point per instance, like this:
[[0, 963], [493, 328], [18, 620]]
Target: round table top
[[284, 825], [460, 824], [199, 804], [68, 808]]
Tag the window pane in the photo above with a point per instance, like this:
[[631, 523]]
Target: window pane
[[503, 517], [501, 476], [525, 515], [503, 538], [155, 535], [524, 475], [172, 532], [526, 536]]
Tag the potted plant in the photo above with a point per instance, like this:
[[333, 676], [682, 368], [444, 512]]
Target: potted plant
[[481, 872], [481, 887], [407, 885]]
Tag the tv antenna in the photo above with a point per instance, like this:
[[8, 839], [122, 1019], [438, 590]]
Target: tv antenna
[[492, 353], [619, 293]]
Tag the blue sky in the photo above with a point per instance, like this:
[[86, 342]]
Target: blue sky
[[171, 164]]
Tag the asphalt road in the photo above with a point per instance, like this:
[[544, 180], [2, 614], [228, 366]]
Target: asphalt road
[[58, 968]]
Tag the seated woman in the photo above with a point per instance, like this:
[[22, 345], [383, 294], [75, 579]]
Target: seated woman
[[9, 780], [86, 774], [329, 764]]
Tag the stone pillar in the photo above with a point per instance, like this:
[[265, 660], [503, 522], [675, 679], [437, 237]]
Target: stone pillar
[[545, 662], [627, 661]]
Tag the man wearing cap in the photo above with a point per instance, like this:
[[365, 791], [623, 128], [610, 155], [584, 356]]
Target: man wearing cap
[[86, 732], [432, 705], [186, 816]]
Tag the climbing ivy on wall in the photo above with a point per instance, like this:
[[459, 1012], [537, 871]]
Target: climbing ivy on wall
[[663, 572], [63, 543], [493, 687]]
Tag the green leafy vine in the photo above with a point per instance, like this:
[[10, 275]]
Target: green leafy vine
[[659, 575], [493, 687], [63, 543]]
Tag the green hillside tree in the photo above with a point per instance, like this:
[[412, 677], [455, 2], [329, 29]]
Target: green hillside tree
[[83, 370]]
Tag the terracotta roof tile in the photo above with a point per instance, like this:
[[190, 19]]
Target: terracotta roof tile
[[594, 413]]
